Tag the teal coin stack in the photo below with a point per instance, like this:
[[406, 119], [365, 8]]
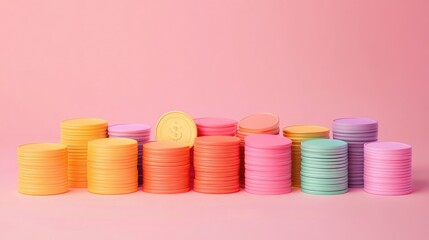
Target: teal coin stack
[[324, 167]]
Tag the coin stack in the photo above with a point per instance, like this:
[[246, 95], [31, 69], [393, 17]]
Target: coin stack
[[387, 168], [268, 164], [259, 123], [42, 169], [75, 133], [138, 132], [297, 134], [217, 164], [356, 132], [166, 167], [112, 166], [324, 167], [215, 126]]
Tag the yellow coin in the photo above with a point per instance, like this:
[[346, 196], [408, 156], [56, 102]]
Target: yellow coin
[[304, 129], [177, 127]]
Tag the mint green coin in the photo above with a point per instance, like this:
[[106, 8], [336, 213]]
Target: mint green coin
[[310, 159], [323, 144], [321, 155], [324, 187], [323, 192], [324, 180], [323, 175], [323, 165], [324, 170]]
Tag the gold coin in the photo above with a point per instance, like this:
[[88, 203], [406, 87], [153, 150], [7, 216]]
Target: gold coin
[[177, 127]]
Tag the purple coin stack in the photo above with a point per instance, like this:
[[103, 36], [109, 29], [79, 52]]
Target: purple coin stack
[[138, 132], [356, 132]]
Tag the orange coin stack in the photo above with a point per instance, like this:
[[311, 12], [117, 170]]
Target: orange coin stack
[[75, 133], [298, 134], [217, 164], [42, 169], [166, 167], [112, 166], [259, 123]]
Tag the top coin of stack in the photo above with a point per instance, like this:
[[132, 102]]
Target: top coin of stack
[[259, 123], [75, 133], [297, 134]]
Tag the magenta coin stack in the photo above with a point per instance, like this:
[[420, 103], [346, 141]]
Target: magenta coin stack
[[388, 168], [356, 132], [138, 132], [267, 164]]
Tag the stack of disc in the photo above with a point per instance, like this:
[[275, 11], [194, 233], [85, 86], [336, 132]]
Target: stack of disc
[[324, 167], [259, 123], [356, 132], [268, 164], [211, 126], [42, 169], [166, 167], [297, 134], [138, 132], [217, 164], [112, 166], [75, 133], [387, 168]]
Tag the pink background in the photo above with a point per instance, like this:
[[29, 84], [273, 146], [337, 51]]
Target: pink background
[[131, 61]]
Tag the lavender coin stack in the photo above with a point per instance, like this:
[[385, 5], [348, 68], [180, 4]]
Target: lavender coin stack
[[138, 132], [356, 132]]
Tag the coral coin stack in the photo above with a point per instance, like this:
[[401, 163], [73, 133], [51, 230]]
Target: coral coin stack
[[217, 163]]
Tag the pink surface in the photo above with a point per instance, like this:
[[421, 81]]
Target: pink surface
[[131, 61]]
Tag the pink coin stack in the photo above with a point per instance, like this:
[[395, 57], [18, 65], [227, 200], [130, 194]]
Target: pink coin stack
[[138, 132], [216, 126], [268, 164], [387, 168]]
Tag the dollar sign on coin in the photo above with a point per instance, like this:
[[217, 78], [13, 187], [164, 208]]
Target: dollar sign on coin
[[175, 130], [178, 127]]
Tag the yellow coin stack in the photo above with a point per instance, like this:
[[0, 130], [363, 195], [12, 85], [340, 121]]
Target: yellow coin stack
[[298, 134], [112, 166], [42, 169], [75, 133]]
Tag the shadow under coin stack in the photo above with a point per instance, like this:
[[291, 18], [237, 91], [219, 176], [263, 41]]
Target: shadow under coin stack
[[212, 126], [298, 134], [217, 164], [356, 132], [138, 132], [268, 164], [112, 166], [75, 133], [324, 167], [387, 168], [42, 169], [166, 167], [259, 123]]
